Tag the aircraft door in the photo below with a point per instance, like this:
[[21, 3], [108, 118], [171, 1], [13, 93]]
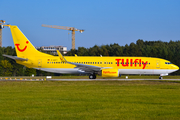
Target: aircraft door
[[39, 63], [157, 64]]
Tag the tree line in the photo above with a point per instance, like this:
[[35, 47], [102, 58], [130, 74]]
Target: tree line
[[166, 50]]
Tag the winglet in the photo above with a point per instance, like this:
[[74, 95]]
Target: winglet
[[61, 57]]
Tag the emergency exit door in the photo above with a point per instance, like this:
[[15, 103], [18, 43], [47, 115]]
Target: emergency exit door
[[39, 63], [157, 64]]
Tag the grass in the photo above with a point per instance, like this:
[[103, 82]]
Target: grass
[[90, 100]]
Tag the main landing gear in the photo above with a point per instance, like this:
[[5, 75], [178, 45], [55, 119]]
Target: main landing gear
[[92, 76], [160, 77]]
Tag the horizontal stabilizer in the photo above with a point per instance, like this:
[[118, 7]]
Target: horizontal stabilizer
[[15, 57]]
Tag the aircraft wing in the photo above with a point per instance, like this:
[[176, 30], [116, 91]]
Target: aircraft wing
[[83, 67], [15, 57], [86, 68]]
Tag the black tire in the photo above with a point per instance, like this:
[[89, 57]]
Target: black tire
[[160, 77], [92, 76]]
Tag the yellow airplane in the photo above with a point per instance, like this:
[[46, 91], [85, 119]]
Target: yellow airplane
[[28, 56]]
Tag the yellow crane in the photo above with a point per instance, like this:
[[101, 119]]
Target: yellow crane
[[1, 27], [66, 28]]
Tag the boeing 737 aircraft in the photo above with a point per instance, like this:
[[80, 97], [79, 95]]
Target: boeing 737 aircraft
[[28, 56]]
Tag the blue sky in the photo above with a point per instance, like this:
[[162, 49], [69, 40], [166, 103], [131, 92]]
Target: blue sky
[[104, 21]]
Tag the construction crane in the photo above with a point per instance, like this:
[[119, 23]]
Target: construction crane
[[66, 28], [1, 27]]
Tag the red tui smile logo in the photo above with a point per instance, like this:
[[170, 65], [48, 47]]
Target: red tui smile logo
[[21, 50]]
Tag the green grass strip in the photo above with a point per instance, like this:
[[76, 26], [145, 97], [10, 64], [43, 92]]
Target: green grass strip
[[89, 100]]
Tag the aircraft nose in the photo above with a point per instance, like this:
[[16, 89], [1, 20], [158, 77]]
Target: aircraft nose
[[175, 67]]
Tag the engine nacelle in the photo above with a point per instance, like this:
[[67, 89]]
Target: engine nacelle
[[110, 73]]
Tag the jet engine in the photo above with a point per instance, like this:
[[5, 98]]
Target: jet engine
[[110, 73]]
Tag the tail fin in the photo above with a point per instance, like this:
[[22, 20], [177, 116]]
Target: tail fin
[[23, 46]]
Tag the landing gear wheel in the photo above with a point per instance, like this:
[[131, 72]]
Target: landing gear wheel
[[92, 76], [160, 77]]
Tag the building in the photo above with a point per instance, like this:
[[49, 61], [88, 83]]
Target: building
[[52, 49]]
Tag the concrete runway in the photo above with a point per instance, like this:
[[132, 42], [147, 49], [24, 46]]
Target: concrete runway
[[110, 79], [21, 79]]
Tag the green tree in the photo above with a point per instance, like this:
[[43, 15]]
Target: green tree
[[30, 71], [82, 51], [6, 68]]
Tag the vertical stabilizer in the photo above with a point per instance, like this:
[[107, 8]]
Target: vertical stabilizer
[[23, 46]]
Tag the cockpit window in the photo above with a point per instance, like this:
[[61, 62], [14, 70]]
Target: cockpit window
[[168, 63]]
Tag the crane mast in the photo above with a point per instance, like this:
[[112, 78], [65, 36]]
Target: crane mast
[[66, 28], [1, 27]]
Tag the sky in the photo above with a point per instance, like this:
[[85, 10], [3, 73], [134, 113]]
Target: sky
[[104, 21]]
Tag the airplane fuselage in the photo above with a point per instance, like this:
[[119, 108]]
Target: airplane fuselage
[[125, 65]]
